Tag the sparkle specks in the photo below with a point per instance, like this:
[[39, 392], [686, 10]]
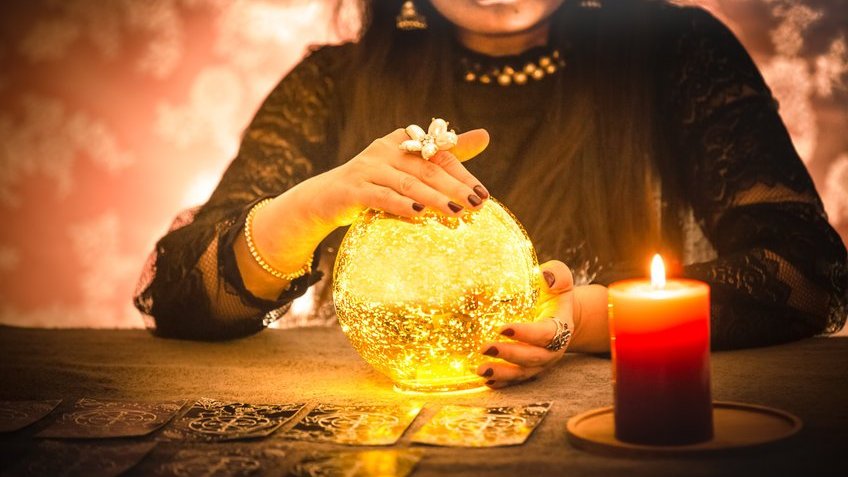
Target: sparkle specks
[[419, 298]]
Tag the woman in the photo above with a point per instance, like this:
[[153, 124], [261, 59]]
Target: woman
[[637, 114]]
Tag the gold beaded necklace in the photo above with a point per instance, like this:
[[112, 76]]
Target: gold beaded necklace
[[506, 75]]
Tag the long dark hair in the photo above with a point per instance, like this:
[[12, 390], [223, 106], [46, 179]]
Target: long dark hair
[[591, 172]]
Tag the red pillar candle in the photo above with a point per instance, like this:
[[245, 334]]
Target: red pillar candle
[[660, 342]]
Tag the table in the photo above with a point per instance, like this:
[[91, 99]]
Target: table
[[808, 378]]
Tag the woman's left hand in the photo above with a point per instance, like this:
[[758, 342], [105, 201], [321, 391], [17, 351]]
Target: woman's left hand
[[526, 355]]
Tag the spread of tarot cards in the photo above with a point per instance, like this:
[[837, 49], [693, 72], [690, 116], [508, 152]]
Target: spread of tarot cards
[[205, 436]]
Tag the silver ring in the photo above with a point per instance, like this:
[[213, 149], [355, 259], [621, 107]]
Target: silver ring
[[437, 138], [561, 337]]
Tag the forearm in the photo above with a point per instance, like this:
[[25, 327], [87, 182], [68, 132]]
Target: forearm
[[591, 325]]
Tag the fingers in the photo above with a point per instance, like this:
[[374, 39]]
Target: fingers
[[411, 187], [442, 184], [522, 354], [538, 333], [527, 354], [557, 277], [434, 174], [557, 302], [452, 165], [470, 144], [501, 374], [516, 362], [384, 198]]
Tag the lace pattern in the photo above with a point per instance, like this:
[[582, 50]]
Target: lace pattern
[[752, 196]]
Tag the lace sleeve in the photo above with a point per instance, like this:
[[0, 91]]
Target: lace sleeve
[[780, 273], [191, 287]]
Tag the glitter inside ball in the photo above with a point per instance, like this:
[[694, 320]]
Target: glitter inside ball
[[419, 297]]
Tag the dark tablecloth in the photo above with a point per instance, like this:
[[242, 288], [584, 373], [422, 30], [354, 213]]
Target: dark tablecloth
[[807, 378]]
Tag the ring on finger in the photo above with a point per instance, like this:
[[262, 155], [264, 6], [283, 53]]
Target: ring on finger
[[437, 138], [561, 337]]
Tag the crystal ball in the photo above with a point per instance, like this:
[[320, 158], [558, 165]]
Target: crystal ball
[[419, 297]]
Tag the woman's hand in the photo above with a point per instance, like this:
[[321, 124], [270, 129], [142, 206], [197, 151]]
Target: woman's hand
[[526, 355], [386, 178], [288, 229]]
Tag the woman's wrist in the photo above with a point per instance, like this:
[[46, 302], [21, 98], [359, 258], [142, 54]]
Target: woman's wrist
[[591, 320], [287, 231], [257, 256], [284, 233]]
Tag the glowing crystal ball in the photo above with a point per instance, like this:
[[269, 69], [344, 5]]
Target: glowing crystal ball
[[419, 297]]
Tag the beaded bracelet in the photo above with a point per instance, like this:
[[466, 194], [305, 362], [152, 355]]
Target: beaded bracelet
[[248, 238]]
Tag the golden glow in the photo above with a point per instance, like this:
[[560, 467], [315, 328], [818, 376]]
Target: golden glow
[[377, 462], [418, 298], [414, 410], [459, 392], [471, 426], [657, 272]]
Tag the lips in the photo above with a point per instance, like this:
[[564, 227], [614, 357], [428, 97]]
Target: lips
[[489, 3]]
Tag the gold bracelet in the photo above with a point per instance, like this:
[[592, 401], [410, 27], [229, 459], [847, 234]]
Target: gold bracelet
[[248, 238]]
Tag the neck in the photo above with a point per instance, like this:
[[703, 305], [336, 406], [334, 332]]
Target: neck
[[505, 44]]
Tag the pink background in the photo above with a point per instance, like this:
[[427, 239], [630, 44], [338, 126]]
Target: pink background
[[115, 115]]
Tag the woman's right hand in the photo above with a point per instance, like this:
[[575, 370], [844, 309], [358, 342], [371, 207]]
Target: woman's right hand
[[386, 178], [288, 229]]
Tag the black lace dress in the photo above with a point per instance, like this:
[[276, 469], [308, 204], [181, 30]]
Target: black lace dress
[[756, 229]]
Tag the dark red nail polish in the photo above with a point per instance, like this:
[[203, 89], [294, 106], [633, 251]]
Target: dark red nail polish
[[508, 332], [417, 207], [489, 372], [492, 351], [490, 382], [454, 206], [481, 192], [474, 200], [549, 278]]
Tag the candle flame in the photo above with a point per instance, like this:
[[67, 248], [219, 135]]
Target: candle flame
[[657, 272]]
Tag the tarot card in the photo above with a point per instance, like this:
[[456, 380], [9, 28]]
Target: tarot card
[[209, 420], [15, 415], [372, 463], [66, 459], [229, 459], [466, 426], [356, 425], [95, 419]]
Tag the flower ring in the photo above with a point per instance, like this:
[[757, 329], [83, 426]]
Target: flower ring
[[437, 138]]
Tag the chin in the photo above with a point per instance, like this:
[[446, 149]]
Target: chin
[[496, 17]]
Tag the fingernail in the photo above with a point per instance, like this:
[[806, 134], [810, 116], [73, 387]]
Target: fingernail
[[508, 332], [489, 372], [549, 278], [474, 200], [417, 207], [490, 382], [454, 206], [492, 351], [481, 192]]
